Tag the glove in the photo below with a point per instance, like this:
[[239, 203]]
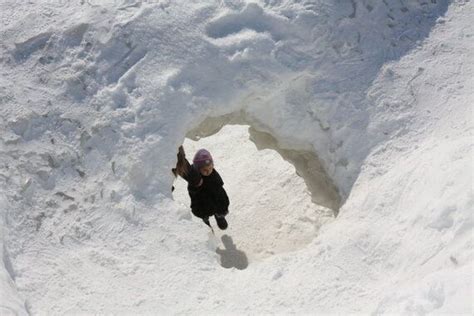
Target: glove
[[181, 153]]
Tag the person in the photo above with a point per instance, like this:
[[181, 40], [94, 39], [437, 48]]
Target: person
[[205, 187]]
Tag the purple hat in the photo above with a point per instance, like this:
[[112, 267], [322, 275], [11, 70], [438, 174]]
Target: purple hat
[[202, 158]]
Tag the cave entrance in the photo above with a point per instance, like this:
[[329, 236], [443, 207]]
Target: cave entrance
[[279, 198]]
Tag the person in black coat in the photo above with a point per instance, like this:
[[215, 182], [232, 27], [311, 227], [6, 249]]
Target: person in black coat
[[205, 187]]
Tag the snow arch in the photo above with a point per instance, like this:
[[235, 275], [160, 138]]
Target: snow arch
[[271, 210], [307, 164]]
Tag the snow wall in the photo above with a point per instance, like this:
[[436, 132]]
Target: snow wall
[[96, 98]]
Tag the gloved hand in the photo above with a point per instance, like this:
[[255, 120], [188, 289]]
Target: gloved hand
[[181, 153], [181, 164]]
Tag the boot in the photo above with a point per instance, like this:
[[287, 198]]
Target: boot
[[221, 222]]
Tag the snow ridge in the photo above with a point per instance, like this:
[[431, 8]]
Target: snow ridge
[[96, 98]]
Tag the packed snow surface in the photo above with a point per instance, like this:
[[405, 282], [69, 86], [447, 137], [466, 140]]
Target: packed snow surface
[[360, 109]]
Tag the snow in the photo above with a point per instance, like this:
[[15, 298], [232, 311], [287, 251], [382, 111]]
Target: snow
[[360, 109]]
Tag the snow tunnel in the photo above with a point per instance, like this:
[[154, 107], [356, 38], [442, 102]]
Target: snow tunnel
[[280, 198]]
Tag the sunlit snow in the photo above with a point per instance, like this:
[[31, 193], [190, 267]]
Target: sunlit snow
[[342, 131]]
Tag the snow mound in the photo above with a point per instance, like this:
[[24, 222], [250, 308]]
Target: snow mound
[[369, 100]]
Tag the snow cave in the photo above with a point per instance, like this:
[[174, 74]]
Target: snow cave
[[295, 196]]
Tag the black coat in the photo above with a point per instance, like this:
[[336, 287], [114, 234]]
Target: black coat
[[209, 198]]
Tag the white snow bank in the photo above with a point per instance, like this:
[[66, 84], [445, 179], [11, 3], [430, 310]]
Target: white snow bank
[[96, 98], [11, 303]]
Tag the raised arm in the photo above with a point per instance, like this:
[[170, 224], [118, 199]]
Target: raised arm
[[185, 170]]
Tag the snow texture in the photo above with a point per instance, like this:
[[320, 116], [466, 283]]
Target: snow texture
[[359, 199]]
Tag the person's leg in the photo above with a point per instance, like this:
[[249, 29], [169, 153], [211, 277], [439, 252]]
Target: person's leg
[[204, 215], [222, 212], [205, 210], [219, 215]]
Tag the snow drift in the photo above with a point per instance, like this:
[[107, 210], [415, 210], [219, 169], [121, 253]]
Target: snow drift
[[96, 97]]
